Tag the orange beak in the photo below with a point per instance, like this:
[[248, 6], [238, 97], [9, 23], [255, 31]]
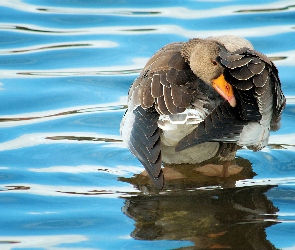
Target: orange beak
[[224, 89]]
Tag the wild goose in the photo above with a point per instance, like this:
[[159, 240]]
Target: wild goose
[[201, 99]]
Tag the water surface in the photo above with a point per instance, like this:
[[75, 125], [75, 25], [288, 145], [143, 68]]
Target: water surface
[[66, 179]]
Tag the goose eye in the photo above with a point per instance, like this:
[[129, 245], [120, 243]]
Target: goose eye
[[214, 62]]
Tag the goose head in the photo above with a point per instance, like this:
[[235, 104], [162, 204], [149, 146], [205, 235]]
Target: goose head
[[202, 56]]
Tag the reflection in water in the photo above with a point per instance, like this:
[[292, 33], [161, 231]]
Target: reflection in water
[[219, 219], [207, 211], [187, 177]]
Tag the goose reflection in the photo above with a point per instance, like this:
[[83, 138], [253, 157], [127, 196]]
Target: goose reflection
[[192, 176], [192, 210]]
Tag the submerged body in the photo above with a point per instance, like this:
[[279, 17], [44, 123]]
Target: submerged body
[[201, 99]]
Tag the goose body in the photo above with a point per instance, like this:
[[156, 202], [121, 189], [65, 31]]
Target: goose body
[[201, 99]]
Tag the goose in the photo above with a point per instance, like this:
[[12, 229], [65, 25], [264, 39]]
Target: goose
[[201, 99]]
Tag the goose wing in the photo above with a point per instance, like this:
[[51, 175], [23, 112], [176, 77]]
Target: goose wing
[[143, 140], [165, 86], [256, 80], [258, 91], [165, 82], [222, 124]]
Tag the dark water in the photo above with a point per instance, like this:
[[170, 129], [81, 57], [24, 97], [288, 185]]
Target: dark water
[[66, 179]]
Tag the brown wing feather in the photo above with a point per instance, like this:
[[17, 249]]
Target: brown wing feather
[[279, 100], [223, 124], [166, 81], [165, 86], [258, 91], [257, 76], [145, 144]]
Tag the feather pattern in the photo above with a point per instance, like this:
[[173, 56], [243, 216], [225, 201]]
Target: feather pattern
[[144, 142], [257, 89], [263, 79], [170, 107], [223, 124], [165, 81]]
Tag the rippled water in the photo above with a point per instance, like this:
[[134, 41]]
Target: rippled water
[[67, 180]]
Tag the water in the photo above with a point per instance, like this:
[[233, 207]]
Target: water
[[66, 179]]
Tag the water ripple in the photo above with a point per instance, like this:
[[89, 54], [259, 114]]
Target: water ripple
[[32, 29], [258, 31], [286, 8], [117, 170], [29, 140], [66, 68], [44, 241], [60, 46], [149, 10], [131, 69], [34, 117], [56, 190]]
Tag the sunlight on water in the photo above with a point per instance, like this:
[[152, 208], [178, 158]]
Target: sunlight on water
[[67, 181]]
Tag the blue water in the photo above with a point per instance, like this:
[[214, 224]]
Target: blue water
[[66, 179]]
